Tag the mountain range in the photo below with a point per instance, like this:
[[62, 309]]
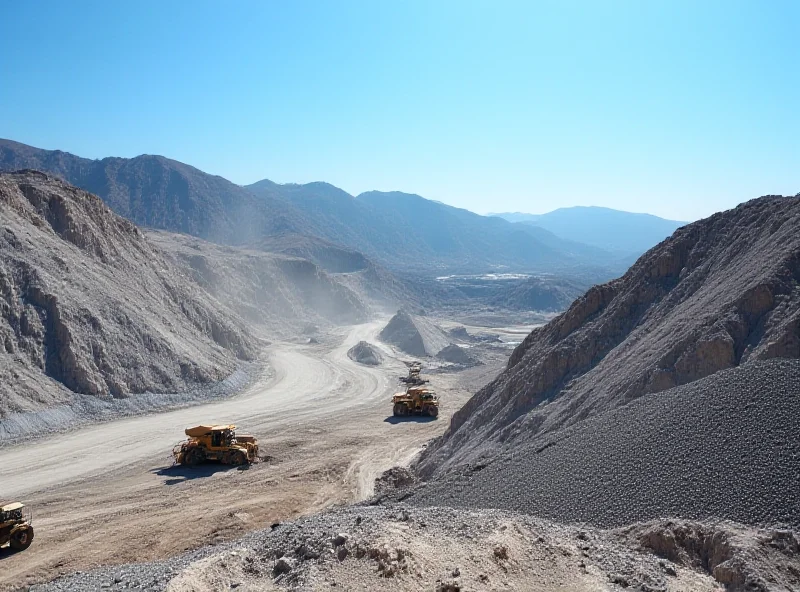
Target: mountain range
[[398, 230], [623, 233]]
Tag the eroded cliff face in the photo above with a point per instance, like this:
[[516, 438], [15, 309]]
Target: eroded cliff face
[[88, 305], [717, 293]]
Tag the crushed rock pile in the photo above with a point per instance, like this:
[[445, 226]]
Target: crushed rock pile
[[456, 355], [365, 353], [437, 549], [414, 335], [719, 293], [394, 478], [724, 447], [460, 333]]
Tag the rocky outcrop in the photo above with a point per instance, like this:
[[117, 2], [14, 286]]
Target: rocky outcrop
[[740, 560], [88, 305], [718, 293]]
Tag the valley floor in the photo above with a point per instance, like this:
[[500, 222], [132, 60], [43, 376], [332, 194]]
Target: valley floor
[[107, 493]]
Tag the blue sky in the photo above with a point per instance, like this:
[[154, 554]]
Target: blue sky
[[675, 108]]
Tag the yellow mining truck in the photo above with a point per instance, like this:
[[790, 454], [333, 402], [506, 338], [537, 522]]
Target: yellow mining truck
[[413, 378], [417, 400], [216, 443], [15, 526]]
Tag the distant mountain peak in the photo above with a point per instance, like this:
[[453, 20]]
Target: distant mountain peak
[[627, 234]]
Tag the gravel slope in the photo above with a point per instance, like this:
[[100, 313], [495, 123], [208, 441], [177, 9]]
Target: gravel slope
[[722, 447], [446, 550], [718, 293]]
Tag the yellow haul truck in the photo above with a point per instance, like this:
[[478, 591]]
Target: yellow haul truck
[[15, 526], [216, 443], [417, 400]]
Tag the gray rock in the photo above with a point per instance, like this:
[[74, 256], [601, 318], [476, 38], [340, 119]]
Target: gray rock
[[365, 353]]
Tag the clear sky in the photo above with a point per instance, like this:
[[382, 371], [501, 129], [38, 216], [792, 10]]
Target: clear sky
[[677, 108]]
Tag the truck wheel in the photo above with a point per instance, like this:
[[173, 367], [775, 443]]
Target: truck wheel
[[193, 457], [236, 458], [399, 409], [433, 410], [21, 537]]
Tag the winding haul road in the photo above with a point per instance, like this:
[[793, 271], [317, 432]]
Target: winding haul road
[[107, 493], [309, 385]]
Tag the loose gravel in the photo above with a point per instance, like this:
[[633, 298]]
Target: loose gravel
[[397, 548], [727, 447]]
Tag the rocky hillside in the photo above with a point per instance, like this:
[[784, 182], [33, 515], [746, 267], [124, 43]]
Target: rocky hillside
[[277, 294], [537, 293], [378, 286], [157, 192], [88, 305], [721, 447], [718, 293]]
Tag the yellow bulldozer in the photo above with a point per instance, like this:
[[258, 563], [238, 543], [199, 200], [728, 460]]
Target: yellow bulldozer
[[218, 443], [16, 527], [417, 400]]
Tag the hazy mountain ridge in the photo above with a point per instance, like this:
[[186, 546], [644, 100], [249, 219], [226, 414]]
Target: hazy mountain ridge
[[406, 231], [157, 192], [400, 231], [625, 234]]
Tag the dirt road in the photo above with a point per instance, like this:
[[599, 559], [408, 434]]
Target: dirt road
[[107, 493], [306, 385]]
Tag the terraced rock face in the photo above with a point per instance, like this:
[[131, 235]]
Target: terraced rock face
[[716, 294], [88, 305]]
